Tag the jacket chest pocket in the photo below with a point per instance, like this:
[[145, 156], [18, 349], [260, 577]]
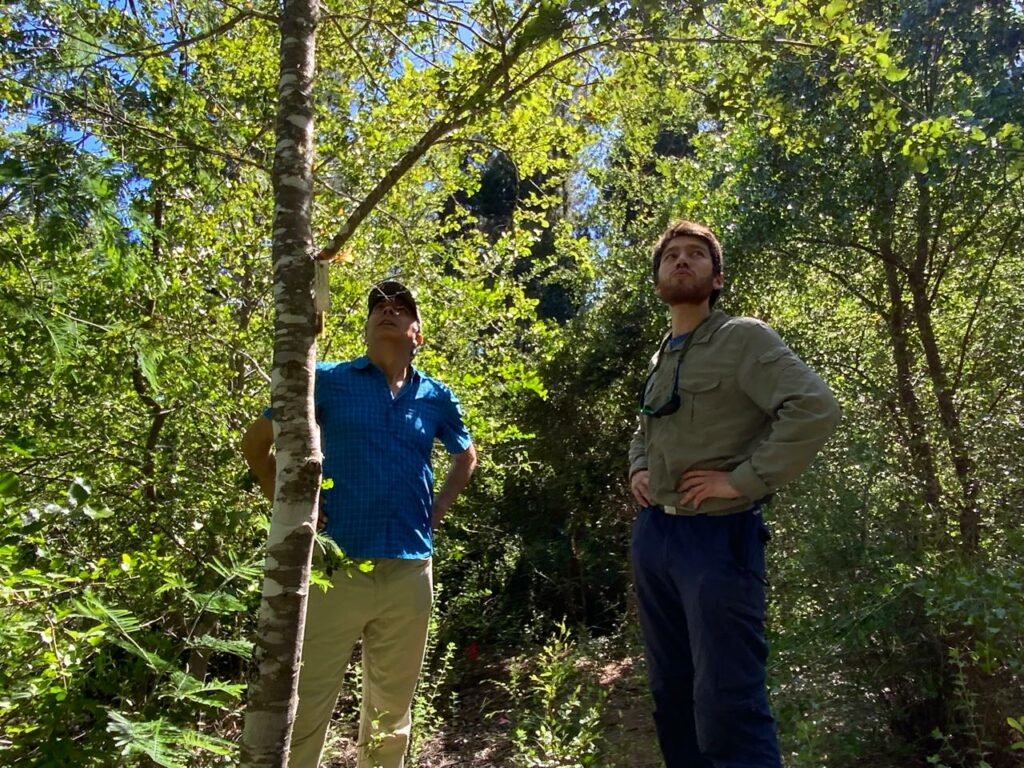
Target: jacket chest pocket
[[700, 399]]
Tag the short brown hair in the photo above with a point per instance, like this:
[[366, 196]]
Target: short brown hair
[[693, 229]]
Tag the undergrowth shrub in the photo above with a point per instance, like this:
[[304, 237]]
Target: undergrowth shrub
[[557, 706]]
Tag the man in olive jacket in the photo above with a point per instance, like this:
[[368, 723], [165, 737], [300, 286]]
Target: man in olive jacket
[[728, 414]]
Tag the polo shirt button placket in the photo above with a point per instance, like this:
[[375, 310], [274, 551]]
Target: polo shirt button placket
[[389, 408]]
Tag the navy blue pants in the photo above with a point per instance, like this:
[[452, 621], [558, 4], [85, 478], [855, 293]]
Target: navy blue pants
[[700, 588]]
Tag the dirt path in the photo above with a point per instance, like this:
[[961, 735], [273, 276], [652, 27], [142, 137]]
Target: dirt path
[[476, 733], [629, 729]]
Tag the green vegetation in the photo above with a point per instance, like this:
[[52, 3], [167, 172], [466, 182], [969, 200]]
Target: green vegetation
[[863, 164]]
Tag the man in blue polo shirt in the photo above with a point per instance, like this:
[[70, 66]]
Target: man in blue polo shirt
[[378, 419]]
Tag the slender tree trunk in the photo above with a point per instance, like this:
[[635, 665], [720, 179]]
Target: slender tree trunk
[[159, 415], [920, 448], [272, 689], [921, 454], [157, 412], [969, 521]]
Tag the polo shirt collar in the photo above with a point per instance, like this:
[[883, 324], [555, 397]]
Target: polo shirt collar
[[364, 362]]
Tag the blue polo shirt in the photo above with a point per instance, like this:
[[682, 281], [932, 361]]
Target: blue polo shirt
[[377, 451]]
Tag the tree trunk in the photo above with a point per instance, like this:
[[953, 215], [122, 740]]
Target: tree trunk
[[969, 521], [920, 448], [272, 689], [921, 454]]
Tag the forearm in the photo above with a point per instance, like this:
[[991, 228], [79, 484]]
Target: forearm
[[802, 425], [265, 471], [802, 409], [258, 451], [455, 481], [788, 449]]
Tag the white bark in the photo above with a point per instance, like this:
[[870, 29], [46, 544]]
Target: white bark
[[272, 688]]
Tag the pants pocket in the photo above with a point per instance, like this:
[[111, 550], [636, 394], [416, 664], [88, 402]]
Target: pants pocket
[[638, 526], [750, 534], [731, 644]]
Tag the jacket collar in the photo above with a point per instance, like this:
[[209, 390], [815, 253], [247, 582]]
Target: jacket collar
[[710, 327], [705, 330]]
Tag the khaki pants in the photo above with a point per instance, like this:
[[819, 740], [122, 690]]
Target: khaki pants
[[389, 607]]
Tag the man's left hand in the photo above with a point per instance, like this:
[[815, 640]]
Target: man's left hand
[[700, 484], [436, 515]]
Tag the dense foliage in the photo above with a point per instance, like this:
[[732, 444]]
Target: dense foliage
[[863, 162]]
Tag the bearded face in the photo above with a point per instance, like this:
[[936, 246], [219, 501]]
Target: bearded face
[[686, 274], [687, 289]]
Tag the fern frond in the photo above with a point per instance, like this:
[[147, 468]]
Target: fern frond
[[240, 648], [163, 743]]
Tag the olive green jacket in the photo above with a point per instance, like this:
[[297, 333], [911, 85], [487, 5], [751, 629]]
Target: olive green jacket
[[748, 406]]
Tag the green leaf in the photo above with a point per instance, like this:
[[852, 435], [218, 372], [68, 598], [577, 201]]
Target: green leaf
[[217, 602], [8, 485], [834, 8], [919, 163], [162, 742], [17, 449], [78, 492], [98, 514], [213, 693], [148, 355]]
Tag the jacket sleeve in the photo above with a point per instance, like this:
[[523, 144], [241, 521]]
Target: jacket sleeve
[[801, 407], [638, 445], [638, 449]]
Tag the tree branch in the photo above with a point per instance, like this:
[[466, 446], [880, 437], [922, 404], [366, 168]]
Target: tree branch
[[120, 120], [459, 115], [970, 231], [982, 295]]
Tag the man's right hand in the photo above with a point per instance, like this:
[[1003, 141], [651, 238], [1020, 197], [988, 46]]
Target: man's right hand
[[640, 484]]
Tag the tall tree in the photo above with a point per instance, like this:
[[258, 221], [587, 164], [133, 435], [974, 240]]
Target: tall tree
[[273, 688]]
